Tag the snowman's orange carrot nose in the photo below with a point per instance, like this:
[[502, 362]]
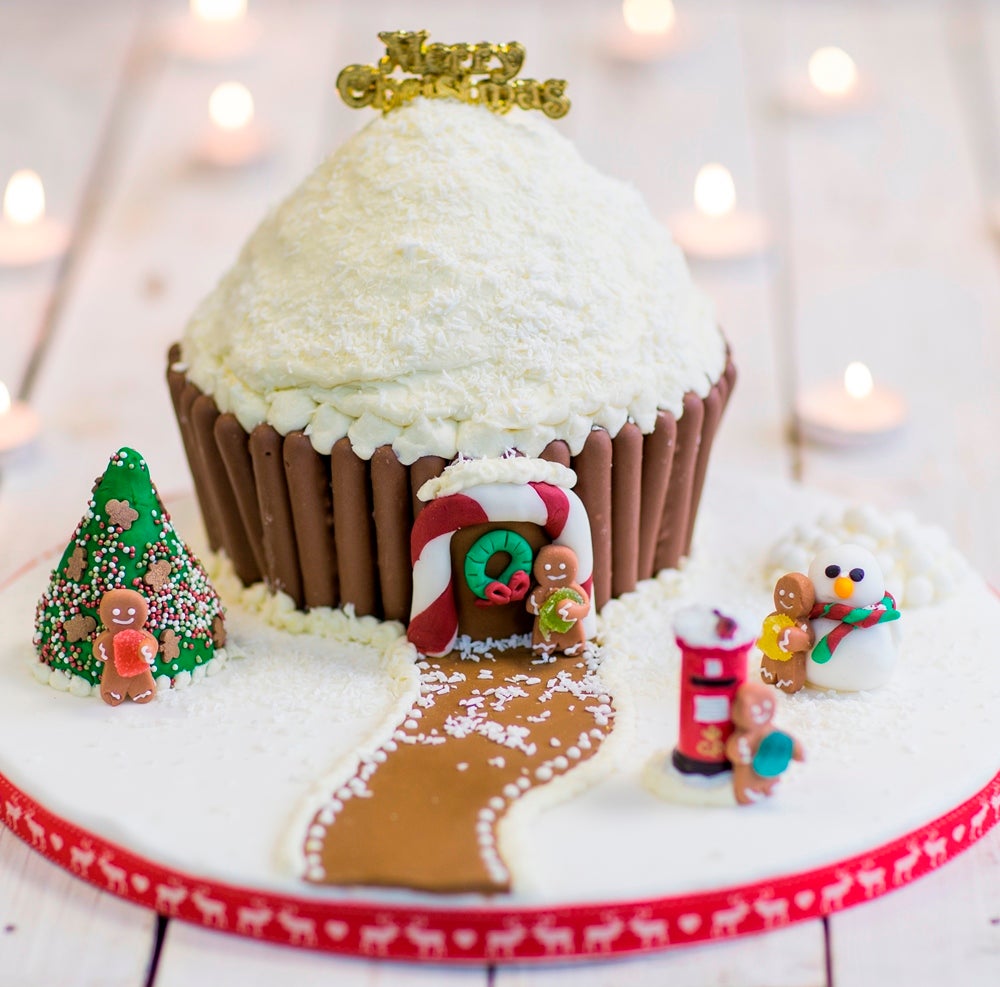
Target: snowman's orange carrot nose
[[843, 587]]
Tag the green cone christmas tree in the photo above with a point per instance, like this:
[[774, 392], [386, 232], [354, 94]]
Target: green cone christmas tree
[[126, 541]]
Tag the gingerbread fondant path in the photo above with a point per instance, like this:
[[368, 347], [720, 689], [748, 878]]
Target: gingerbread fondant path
[[423, 810], [885, 770]]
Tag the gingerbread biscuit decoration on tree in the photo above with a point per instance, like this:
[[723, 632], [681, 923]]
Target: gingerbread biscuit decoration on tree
[[758, 752], [558, 602], [126, 649], [787, 635]]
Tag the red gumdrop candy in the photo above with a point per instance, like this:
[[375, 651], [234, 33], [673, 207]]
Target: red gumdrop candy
[[129, 659]]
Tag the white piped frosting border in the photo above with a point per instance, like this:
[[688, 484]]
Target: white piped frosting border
[[466, 473]]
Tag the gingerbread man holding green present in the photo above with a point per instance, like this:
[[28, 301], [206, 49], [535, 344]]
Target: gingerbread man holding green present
[[558, 602], [126, 648]]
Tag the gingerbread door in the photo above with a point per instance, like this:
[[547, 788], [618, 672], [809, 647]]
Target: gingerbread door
[[484, 555]]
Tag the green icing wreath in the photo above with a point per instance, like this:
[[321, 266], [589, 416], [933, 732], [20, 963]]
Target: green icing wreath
[[485, 547]]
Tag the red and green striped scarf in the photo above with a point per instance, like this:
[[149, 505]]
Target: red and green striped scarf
[[850, 618]]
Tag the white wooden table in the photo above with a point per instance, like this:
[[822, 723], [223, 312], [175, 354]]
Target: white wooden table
[[882, 248]]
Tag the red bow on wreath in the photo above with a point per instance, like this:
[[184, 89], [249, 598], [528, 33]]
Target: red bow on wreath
[[498, 593]]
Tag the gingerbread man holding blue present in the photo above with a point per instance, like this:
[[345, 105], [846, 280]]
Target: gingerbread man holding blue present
[[758, 751]]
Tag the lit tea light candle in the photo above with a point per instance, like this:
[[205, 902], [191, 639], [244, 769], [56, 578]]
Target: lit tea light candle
[[19, 424], [714, 190], [27, 235], [234, 138], [646, 32], [833, 72], [832, 84], [219, 11], [851, 411], [213, 31], [718, 229]]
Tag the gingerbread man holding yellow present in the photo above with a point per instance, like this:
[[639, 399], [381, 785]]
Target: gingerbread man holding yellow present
[[787, 634]]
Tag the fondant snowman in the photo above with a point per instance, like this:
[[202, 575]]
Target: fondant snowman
[[853, 618]]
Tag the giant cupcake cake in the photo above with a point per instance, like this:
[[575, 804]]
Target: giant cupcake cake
[[450, 283]]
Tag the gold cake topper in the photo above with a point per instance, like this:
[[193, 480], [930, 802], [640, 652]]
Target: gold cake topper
[[474, 73]]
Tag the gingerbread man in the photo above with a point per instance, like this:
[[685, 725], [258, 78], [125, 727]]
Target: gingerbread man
[[759, 753], [787, 634], [125, 648], [558, 602]]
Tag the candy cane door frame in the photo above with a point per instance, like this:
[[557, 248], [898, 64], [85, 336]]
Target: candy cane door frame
[[539, 512]]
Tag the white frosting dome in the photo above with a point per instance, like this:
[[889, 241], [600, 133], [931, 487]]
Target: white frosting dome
[[454, 281]]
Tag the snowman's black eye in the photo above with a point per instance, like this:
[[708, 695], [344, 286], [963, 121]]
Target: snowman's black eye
[[832, 571], [857, 575]]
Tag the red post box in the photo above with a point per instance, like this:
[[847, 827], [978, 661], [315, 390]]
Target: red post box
[[714, 646]]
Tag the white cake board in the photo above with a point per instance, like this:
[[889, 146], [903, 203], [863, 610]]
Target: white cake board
[[190, 805]]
